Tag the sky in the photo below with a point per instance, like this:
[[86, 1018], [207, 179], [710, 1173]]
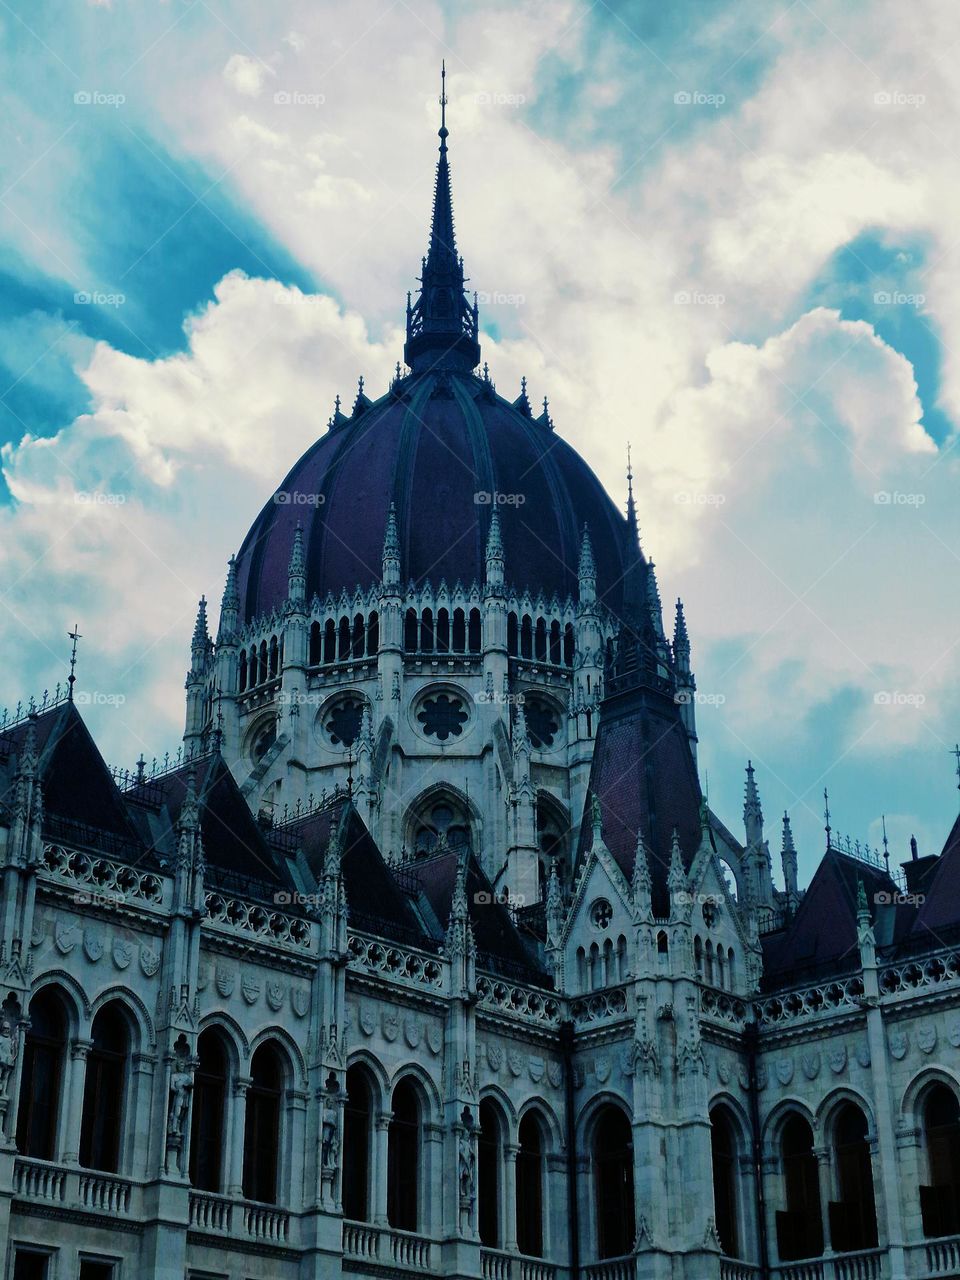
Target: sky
[[722, 231]]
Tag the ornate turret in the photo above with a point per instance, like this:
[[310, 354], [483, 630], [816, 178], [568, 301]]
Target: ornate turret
[[229, 604], [587, 570], [390, 571], [788, 860], [296, 573], [686, 694], [442, 326], [493, 557]]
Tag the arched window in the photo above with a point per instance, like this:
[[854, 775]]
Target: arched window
[[708, 962], [613, 1189], [568, 645], [581, 969], [475, 638], [489, 1163], [261, 1136], [316, 645], [439, 823], [940, 1197], [403, 1159], [800, 1225], [724, 1149], [698, 955], [208, 1112], [556, 644], [43, 1056], [274, 656], [853, 1217], [264, 661], [443, 631], [721, 981], [459, 642], [359, 635], [526, 637], [242, 672], [513, 641], [426, 631], [411, 631], [540, 641], [530, 1186], [357, 1140], [253, 666], [329, 641], [101, 1123], [343, 640], [373, 634]]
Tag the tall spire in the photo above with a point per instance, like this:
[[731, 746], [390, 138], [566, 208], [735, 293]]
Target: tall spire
[[230, 603], [752, 812], [442, 325], [631, 505], [296, 572]]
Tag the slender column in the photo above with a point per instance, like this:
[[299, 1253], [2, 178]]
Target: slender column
[[71, 1116], [510, 1152], [824, 1186], [237, 1125], [432, 1206], [380, 1156]]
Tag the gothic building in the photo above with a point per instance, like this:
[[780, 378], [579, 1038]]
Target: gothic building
[[427, 955]]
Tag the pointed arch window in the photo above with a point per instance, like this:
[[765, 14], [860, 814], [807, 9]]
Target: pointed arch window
[[242, 673], [208, 1112], [489, 1164], [853, 1217], [459, 641], [800, 1225], [940, 1196], [315, 651], [526, 636], [530, 1186], [357, 1142], [613, 1190], [723, 1148], [104, 1091], [411, 631], [475, 636], [261, 1137], [329, 641], [44, 1052], [513, 642], [373, 634], [556, 644], [403, 1159], [443, 631]]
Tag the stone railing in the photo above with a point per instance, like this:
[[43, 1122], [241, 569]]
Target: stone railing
[[870, 1264], [385, 1246], [38, 1180], [600, 1006], [85, 1189], [737, 1269], [611, 1269], [935, 1258], [529, 1004], [249, 917], [722, 1007], [496, 1265], [841, 995], [405, 965], [223, 1216], [916, 975], [98, 878]]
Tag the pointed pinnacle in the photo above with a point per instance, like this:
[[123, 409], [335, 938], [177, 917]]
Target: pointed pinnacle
[[641, 882], [680, 637], [788, 846], [189, 819], [494, 549], [201, 635], [296, 553], [391, 537], [676, 877], [588, 565]]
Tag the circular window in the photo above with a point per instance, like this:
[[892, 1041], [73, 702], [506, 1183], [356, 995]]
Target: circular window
[[442, 716], [438, 826], [601, 913], [543, 722], [342, 720], [263, 740]]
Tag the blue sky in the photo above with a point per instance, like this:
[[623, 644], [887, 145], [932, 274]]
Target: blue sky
[[728, 233]]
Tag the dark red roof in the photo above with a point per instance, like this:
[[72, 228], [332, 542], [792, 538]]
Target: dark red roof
[[431, 450]]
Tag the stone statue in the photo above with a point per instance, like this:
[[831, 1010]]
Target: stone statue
[[8, 1053], [329, 1146], [467, 1162], [181, 1086]]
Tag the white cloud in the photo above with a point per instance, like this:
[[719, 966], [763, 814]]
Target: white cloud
[[246, 75]]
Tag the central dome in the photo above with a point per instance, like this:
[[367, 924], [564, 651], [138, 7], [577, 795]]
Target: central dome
[[445, 448]]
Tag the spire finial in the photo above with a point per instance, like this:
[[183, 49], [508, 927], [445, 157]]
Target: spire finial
[[956, 752], [631, 504], [443, 105], [73, 635], [826, 815]]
